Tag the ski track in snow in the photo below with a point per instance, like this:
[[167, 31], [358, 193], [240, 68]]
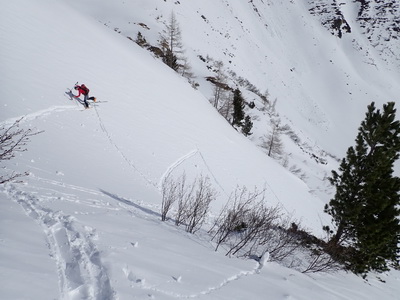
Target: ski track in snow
[[181, 160], [39, 114], [208, 168], [61, 108], [172, 167], [103, 128], [81, 273], [230, 280], [169, 169], [48, 193], [78, 261], [208, 291]]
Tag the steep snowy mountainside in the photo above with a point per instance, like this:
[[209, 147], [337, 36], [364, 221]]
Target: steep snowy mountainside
[[158, 123], [317, 78], [85, 223], [378, 21]]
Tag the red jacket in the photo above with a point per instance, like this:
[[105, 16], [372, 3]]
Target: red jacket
[[81, 91]]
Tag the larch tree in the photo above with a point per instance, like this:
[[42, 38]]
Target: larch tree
[[171, 43], [272, 141], [219, 89]]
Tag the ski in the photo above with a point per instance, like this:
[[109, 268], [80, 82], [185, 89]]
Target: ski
[[90, 106], [91, 100]]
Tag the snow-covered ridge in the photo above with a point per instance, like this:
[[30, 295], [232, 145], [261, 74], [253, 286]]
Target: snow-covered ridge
[[379, 22]]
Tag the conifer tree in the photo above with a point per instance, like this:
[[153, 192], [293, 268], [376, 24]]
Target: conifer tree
[[272, 141], [171, 43], [238, 108], [247, 126], [366, 208], [219, 85], [171, 60], [141, 40]]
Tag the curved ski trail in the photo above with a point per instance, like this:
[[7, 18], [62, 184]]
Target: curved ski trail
[[81, 273]]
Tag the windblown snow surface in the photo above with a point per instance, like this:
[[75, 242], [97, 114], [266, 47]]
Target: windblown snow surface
[[85, 223]]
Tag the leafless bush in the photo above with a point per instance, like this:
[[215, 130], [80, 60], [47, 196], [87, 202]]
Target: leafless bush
[[245, 223], [199, 204], [232, 217], [169, 195], [313, 251], [320, 261], [13, 139], [261, 220], [193, 201], [185, 193], [280, 242], [175, 190], [246, 226]]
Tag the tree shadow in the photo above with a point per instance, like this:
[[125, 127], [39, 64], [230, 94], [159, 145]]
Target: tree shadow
[[130, 203]]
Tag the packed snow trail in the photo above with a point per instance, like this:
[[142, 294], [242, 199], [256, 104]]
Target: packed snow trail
[[38, 114], [81, 273], [103, 128]]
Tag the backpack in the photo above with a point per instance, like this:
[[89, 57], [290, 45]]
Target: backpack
[[84, 89]]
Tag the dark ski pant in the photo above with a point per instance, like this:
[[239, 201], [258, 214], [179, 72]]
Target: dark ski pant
[[85, 99]]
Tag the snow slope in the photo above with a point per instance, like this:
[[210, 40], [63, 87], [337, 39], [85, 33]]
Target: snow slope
[[322, 83], [85, 224]]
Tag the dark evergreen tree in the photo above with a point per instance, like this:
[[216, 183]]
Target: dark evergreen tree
[[248, 125], [238, 108], [171, 60], [365, 208]]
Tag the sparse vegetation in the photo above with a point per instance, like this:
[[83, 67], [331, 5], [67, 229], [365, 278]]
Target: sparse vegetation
[[246, 226], [193, 201], [272, 142], [13, 139]]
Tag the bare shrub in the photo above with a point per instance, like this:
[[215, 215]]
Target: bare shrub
[[14, 139], [193, 201], [169, 195], [280, 242], [184, 195], [247, 227], [199, 204], [244, 223], [232, 216], [261, 220], [320, 261], [314, 253]]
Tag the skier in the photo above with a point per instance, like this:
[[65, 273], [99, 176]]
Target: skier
[[82, 89]]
